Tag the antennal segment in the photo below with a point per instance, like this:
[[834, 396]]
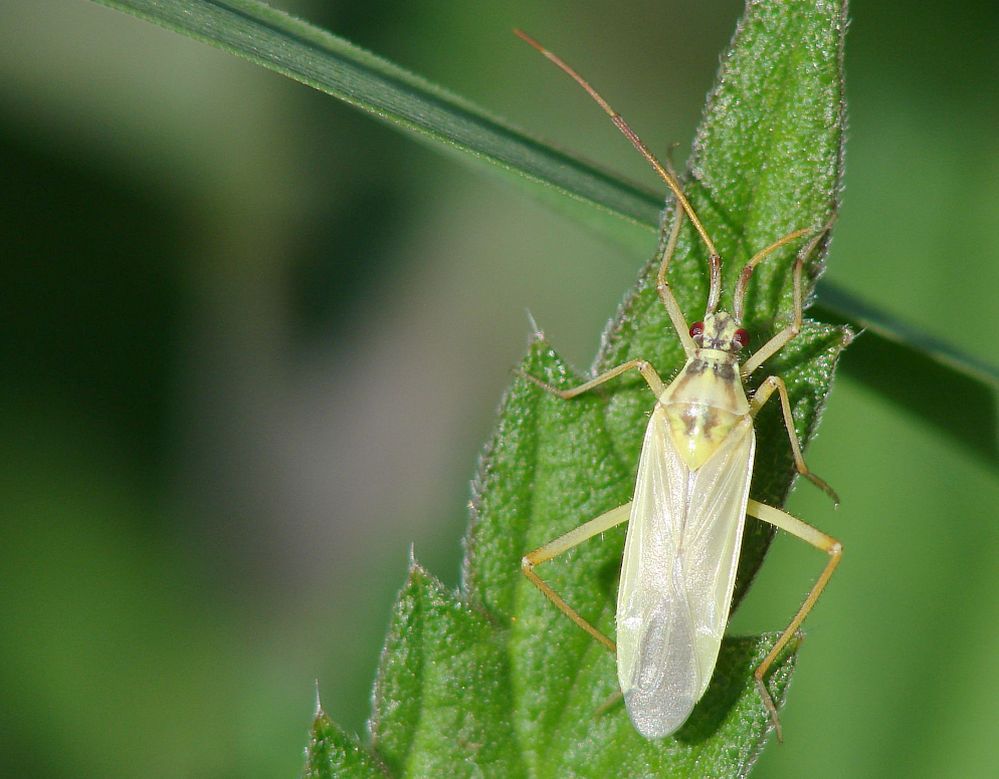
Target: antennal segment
[[631, 135], [714, 291]]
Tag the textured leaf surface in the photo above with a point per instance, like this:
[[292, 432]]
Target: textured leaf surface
[[442, 699]]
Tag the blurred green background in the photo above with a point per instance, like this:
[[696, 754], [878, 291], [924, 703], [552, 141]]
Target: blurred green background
[[252, 342]]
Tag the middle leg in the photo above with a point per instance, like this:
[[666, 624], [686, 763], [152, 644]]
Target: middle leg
[[562, 544], [760, 397]]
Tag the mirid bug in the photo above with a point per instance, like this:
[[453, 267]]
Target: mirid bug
[[691, 498]]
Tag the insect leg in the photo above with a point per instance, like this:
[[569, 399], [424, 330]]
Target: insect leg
[[563, 544], [760, 397], [666, 294], [648, 373], [819, 540], [775, 344], [739, 298]]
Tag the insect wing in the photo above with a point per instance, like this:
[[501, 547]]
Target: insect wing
[[678, 574]]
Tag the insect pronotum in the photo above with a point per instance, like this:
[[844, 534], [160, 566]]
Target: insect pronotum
[[691, 496]]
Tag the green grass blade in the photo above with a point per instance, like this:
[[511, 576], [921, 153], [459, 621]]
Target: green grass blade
[[308, 54], [608, 203], [842, 304], [932, 369]]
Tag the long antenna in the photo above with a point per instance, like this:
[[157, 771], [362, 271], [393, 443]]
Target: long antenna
[[628, 133]]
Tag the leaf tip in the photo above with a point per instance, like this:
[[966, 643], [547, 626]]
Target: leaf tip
[[417, 575], [319, 703], [848, 336], [537, 334]]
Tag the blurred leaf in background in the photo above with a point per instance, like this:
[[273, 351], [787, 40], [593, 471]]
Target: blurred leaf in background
[[228, 301]]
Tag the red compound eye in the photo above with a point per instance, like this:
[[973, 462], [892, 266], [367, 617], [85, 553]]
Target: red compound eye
[[741, 338], [697, 330]]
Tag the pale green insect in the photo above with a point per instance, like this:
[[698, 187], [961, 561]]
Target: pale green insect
[[692, 492]]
